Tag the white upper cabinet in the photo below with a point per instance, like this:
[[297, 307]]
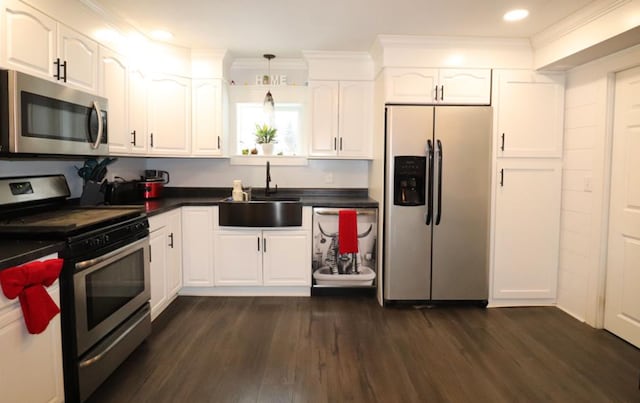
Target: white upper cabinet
[[113, 86], [207, 126], [138, 115], [79, 57], [529, 110], [22, 23], [169, 115], [437, 86], [341, 118], [36, 44]]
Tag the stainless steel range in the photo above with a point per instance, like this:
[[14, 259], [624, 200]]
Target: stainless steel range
[[104, 283]]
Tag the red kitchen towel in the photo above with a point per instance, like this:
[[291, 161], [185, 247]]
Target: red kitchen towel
[[27, 282], [347, 231]]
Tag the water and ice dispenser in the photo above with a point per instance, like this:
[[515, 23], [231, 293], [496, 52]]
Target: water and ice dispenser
[[409, 181]]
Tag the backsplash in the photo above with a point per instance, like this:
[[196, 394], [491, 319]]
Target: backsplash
[[219, 173]]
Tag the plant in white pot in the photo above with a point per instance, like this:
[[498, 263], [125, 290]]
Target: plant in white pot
[[266, 137]]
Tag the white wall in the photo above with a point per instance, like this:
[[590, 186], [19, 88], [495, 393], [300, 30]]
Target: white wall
[[219, 173], [584, 217]]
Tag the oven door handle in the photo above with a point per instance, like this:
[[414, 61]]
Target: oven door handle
[[90, 361], [91, 262]]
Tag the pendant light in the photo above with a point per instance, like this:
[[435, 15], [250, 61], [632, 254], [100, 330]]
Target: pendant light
[[268, 98]]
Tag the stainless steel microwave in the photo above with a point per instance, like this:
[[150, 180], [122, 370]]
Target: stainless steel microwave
[[42, 117]]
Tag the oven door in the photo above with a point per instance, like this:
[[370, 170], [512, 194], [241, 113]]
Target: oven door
[[49, 118], [108, 289]]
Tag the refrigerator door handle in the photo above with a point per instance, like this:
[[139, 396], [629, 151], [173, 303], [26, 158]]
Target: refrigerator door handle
[[429, 182], [439, 152]]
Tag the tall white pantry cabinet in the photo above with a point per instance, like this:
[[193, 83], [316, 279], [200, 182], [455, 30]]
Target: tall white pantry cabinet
[[528, 129]]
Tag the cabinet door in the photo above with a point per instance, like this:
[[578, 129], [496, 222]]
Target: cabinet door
[[30, 40], [324, 117], [174, 253], [464, 86], [286, 258], [355, 116], [529, 112], [138, 106], [113, 86], [158, 270], [207, 117], [527, 228], [170, 115], [410, 86], [238, 257], [197, 246], [31, 365], [81, 55]]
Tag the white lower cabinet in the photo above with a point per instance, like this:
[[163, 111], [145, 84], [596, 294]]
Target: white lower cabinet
[[166, 259], [526, 228], [197, 246], [31, 364], [262, 257]]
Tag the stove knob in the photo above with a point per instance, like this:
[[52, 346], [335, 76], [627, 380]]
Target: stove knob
[[106, 239], [99, 242]]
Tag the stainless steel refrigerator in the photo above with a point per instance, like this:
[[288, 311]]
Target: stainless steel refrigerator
[[437, 203]]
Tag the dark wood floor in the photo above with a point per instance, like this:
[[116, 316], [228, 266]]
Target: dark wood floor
[[206, 349]]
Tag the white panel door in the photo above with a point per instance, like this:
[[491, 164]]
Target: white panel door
[[197, 246], [622, 304], [238, 258], [355, 116], [286, 258], [158, 270], [30, 40], [410, 86], [529, 111], [324, 117], [170, 115], [138, 110], [207, 117], [465, 86], [81, 55], [113, 86], [527, 229], [174, 253]]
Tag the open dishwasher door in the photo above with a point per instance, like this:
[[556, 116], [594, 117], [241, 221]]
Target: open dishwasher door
[[349, 273]]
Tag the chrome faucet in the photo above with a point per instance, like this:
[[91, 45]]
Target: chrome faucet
[[267, 191]]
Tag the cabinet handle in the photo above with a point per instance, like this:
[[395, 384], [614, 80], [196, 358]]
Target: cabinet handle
[[64, 79], [335, 140], [436, 97], [502, 143], [171, 240], [133, 134], [218, 142], [258, 238], [442, 92], [264, 245], [151, 139], [340, 143], [150, 254], [57, 63], [502, 177]]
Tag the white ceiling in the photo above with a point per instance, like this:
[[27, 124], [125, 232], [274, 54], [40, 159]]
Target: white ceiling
[[249, 28]]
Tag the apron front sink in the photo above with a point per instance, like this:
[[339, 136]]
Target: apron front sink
[[260, 214]]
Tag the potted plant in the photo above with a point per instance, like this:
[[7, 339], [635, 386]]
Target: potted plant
[[266, 137]]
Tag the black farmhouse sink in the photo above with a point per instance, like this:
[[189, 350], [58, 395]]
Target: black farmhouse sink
[[258, 213]]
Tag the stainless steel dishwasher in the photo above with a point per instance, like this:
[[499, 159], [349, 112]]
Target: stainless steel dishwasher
[[332, 270]]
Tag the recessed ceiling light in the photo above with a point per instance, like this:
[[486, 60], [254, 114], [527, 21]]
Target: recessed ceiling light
[[516, 15], [161, 35]]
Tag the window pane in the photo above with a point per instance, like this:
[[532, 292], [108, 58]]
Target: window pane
[[286, 119]]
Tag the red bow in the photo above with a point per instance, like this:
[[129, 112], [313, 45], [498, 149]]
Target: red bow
[[27, 282]]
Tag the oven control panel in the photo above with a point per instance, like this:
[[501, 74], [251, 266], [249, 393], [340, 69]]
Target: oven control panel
[[110, 238]]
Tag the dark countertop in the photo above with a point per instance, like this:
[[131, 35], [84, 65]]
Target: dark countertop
[[179, 197], [14, 252]]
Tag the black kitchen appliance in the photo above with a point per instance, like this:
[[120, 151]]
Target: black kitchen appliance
[[104, 283]]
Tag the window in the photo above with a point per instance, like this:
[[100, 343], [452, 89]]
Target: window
[[287, 120]]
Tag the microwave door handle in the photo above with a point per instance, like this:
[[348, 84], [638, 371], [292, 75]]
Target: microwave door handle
[[100, 128]]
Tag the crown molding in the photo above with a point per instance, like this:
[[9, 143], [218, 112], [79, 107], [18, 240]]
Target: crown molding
[[336, 55], [416, 41], [261, 64], [577, 20]]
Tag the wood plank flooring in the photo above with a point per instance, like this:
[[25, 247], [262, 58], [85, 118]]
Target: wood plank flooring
[[205, 349]]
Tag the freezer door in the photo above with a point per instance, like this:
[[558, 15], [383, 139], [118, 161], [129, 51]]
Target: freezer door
[[407, 243], [462, 203]]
